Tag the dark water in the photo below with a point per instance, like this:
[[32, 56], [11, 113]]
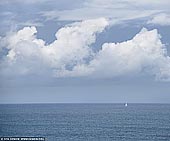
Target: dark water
[[98, 122]]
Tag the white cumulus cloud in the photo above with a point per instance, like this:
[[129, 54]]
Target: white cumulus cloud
[[71, 47], [70, 55], [144, 54]]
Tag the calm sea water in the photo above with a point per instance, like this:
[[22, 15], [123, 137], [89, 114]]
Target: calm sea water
[[96, 122]]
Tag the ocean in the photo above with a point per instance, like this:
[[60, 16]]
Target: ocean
[[86, 122]]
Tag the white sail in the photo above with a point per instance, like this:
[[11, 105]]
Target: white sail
[[126, 104]]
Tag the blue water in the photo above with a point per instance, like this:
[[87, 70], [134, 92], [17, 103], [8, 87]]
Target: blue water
[[96, 122]]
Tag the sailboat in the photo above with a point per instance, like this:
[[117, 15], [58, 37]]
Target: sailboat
[[126, 104]]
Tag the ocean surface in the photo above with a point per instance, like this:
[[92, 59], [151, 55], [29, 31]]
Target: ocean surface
[[89, 122]]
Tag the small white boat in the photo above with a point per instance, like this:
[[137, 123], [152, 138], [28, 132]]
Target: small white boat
[[126, 104]]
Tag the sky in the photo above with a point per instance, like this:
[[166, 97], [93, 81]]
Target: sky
[[84, 51]]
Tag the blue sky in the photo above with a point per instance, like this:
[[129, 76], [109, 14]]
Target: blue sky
[[84, 51]]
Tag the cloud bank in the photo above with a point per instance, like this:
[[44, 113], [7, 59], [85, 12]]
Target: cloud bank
[[71, 55], [115, 10], [25, 53]]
